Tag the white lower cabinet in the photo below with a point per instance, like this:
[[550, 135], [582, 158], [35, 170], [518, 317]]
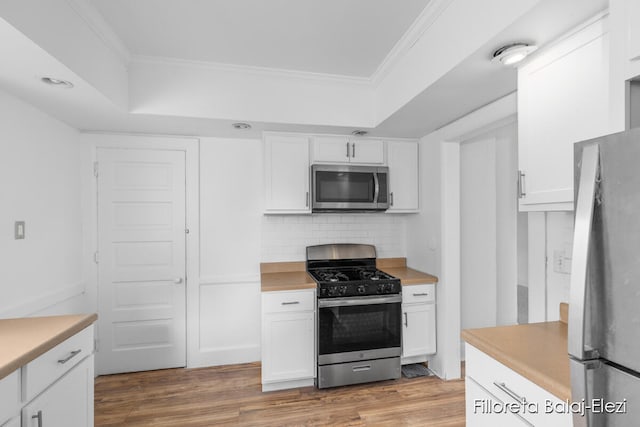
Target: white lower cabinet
[[288, 339], [498, 396], [418, 323], [53, 390], [66, 403]]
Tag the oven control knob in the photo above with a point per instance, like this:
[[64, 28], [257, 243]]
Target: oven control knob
[[333, 290], [343, 290], [381, 288], [361, 289]]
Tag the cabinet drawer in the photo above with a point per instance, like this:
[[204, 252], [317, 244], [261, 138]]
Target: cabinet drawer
[[510, 387], [9, 396], [46, 369], [280, 302], [418, 293]]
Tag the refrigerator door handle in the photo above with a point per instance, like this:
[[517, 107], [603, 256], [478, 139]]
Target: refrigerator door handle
[[581, 389], [581, 242]]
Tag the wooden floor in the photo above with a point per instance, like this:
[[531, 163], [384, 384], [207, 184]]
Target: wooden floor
[[231, 395]]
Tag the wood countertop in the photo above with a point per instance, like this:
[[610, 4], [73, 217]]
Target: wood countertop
[[291, 276], [22, 340], [537, 351]]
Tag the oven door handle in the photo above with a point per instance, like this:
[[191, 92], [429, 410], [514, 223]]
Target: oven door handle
[[340, 302]]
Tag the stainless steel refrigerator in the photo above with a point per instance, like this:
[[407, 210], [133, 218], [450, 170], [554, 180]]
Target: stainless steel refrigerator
[[604, 309]]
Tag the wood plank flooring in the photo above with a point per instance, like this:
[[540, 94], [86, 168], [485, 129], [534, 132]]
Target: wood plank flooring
[[232, 396]]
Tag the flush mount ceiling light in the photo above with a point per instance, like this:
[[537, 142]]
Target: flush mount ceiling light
[[57, 82], [241, 126], [359, 132], [513, 53]]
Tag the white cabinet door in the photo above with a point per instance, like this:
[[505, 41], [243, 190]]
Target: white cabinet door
[[367, 151], [287, 174], [66, 403], [402, 158], [288, 339], [331, 149], [563, 98], [9, 396], [288, 346], [419, 332], [342, 149], [633, 13], [481, 408]]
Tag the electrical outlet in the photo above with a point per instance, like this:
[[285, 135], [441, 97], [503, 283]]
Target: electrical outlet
[[561, 263], [19, 230]]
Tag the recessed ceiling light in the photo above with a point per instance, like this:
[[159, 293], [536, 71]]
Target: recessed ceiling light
[[57, 82], [241, 125], [513, 53], [359, 132]]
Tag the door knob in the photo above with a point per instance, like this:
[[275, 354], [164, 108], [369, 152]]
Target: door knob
[[177, 280]]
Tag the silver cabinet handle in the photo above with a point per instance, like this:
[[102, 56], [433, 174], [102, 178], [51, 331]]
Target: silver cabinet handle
[[290, 302], [521, 190], [511, 393], [347, 149], [422, 294], [406, 320], [391, 198], [582, 234], [71, 355], [38, 417], [361, 368], [307, 200], [353, 150], [177, 280]]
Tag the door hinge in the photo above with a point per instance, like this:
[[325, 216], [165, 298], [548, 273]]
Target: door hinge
[[95, 169], [95, 345], [96, 257]]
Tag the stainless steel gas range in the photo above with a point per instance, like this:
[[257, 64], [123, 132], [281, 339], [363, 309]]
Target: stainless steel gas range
[[359, 316]]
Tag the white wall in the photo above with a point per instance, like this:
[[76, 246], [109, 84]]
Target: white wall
[[559, 239], [285, 237], [489, 228], [231, 199], [39, 184]]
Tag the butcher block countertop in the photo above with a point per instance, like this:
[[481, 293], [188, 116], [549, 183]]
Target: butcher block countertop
[[291, 276], [22, 340], [537, 351]]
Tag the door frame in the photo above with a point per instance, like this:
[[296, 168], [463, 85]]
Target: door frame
[[91, 142], [502, 112]]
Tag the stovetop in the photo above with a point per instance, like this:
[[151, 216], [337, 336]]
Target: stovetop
[[354, 281]]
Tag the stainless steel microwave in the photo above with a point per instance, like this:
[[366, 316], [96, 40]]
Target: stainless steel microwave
[[338, 188]]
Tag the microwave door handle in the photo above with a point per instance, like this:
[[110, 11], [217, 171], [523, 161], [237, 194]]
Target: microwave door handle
[[582, 233], [376, 184]]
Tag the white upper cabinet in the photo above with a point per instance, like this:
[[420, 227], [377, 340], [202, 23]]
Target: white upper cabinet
[[633, 28], [563, 98], [402, 158], [287, 174], [343, 149]]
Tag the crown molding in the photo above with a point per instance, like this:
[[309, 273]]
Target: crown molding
[[423, 22], [94, 21], [255, 70]]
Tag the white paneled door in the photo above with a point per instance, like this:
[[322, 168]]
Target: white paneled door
[[141, 260]]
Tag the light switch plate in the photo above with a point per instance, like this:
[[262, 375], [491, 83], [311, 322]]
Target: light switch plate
[[19, 230]]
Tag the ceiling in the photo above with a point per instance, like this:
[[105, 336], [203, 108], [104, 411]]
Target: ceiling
[[342, 37]]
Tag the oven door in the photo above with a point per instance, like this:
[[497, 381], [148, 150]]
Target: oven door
[[359, 328], [340, 187]]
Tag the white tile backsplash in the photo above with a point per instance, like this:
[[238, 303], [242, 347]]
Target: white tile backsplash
[[285, 237]]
